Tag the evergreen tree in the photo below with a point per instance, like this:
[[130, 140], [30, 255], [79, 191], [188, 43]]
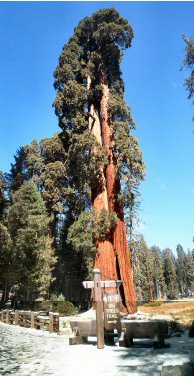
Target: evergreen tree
[[3, 201], [6, 272], [170, 272], [189, 63], [33, 255], [5, 242], [182, 270], [158, 273], [53, 183], [34, 162], [190, 271], [18, 174], [143, 270], [102, 153]]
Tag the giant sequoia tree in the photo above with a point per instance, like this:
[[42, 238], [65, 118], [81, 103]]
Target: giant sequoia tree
[[104, 160]]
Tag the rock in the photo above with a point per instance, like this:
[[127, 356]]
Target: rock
[[178, 368]]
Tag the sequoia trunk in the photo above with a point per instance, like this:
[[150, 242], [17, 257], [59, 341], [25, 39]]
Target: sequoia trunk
[[105, 258], [120, 243]]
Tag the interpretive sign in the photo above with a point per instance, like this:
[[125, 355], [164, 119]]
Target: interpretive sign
[[103, 284], [107, 301], [112, 319]]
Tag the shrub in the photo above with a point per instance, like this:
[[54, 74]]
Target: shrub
[[58, 298], [64, 308]]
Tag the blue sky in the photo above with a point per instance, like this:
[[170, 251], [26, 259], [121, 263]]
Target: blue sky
[[32, 35]]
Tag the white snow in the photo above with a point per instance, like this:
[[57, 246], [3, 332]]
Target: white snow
[[28, 352]]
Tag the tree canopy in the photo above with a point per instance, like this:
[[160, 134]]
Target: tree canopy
[[189, 64]]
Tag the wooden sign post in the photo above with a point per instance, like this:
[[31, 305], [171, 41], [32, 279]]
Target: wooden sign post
[[107, 307], [99, 309]]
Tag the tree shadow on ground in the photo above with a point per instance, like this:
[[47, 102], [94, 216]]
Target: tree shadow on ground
[[142, 359]]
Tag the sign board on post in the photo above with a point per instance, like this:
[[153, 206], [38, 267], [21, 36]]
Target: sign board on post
[[103, 284], [112, 319], [99, 309]]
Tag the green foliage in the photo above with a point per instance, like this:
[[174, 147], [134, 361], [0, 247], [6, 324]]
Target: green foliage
[[190, 270], [5, 242], [64, 308], [189, 64], [80, 234], [18, 174], [160, 288], [142, 262], [3, 201], [88, 227], [181, 269], [104, 222], [33, 161], [159, 273], [58, 298], [6, 256], [32, 245], [95, 52], [170, 272]]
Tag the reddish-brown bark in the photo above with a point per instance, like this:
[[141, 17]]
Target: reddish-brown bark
[[113, 254], [120, 243], [105, 259]]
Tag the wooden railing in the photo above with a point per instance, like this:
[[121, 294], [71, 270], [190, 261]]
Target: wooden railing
[[31, 319]]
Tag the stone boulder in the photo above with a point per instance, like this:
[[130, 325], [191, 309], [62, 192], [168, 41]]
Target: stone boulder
[[177, 367]]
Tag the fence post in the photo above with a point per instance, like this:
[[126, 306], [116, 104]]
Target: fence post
[[7, 317], [16, 317], [99, 309], [51, 322], [32, 320]]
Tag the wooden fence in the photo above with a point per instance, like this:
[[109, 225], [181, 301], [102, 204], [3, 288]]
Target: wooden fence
[[30, 319]]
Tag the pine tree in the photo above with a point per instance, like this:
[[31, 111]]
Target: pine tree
[[170, 272], [189, 64], [7, 274], [5, 242], [143, 270], [190, 271], [3, 201], [158, 273], [182, 269], [18, 174], [103, 155], [33, 255]]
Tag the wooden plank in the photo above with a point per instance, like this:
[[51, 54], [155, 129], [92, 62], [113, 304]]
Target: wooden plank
[[88, 284], [112, 319], [103, 284]]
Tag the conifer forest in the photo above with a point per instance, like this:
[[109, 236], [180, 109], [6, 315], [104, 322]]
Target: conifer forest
[[71, 202]]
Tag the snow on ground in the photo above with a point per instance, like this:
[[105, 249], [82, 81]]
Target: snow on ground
[[139, 360], [27, 352]]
